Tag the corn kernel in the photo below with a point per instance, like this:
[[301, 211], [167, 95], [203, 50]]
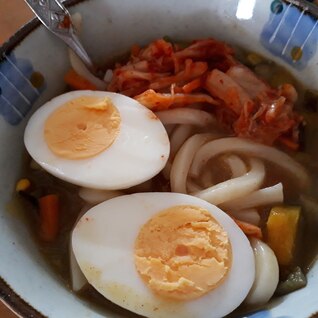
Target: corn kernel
[[23, 185], [254, 59]]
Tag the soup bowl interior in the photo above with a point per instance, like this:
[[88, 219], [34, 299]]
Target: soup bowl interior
[[109, 29]]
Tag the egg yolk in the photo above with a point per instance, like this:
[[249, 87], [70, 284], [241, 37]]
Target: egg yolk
[[82, 128], [183, 253]]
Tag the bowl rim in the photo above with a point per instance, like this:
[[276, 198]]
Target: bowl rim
[[8, 296], [16, 303]]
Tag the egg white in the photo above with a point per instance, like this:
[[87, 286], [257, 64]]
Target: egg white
[[103, 244], [139, 152]]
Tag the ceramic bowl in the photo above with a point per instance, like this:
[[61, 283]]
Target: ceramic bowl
[[31, 70]]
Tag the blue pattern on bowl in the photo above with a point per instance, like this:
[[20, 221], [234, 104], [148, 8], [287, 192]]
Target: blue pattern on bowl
[[290, 34], [260, 314], [263, 314], [17, 92]]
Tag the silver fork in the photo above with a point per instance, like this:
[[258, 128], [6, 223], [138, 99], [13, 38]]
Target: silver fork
[[57, 19]]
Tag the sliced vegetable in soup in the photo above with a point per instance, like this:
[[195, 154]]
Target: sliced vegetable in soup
[[190, 178]]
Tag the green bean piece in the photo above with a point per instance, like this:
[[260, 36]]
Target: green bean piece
[[294, 281]]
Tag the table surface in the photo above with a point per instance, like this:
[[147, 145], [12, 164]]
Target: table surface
[[13, 14]]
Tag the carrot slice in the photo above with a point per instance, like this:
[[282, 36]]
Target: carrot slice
[[249, 229], [78, 82], [49, 217]]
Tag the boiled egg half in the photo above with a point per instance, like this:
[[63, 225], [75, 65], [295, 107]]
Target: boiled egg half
[[99, 140], [165, 255]]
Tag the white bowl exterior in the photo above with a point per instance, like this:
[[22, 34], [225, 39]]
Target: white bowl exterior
[[109, 28]]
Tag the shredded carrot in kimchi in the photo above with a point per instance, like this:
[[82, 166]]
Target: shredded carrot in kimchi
[[205, 73]]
